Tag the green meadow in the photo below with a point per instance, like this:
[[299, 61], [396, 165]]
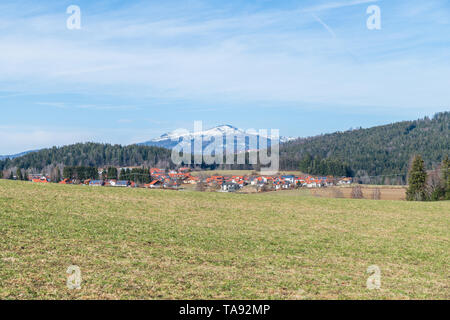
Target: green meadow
[[157, 244]]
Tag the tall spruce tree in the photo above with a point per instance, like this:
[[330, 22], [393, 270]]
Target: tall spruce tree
[[19, 174], [58, 175], [446, 177], [417, 190], [123, 175]]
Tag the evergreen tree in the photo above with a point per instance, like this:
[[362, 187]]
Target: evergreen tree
[[58, 175], [112, 173], [446, 177], [11, 176], [417, 181], [19, 174], [123, 175]]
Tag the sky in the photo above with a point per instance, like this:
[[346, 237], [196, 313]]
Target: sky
[[138, 69]]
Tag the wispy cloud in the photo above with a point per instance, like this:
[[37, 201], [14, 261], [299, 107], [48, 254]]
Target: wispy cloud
[[337, 5], [270, 55], [63, 105], [149, 58]]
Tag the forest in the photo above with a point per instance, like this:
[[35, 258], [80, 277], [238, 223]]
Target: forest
[[92, 155], [383, 151]]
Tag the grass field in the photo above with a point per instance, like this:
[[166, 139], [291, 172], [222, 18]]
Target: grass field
[[156, 244]]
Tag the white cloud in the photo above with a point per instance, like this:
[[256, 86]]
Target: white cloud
[[278, 56], [18, 139]]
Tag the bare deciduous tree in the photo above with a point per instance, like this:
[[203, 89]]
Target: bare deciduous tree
[[337, 193], [357, 192], [376, 194], [201, 186]]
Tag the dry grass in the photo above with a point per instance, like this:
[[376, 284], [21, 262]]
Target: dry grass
[[386, 192], [156, 244]]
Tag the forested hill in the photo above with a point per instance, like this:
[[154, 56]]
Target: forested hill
[[92, 154], [381, 150]]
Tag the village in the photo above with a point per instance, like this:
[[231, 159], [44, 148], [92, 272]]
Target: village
[[184, 178]]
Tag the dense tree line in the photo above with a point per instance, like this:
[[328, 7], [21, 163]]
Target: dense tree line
[[329, 166], [92, 155], [381, 150], [80, 173], [138, 175], [110, 173]]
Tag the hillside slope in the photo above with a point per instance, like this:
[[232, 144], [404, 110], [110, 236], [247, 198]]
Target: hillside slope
[[381, 150]]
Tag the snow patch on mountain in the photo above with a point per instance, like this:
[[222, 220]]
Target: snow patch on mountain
[[170, 140]]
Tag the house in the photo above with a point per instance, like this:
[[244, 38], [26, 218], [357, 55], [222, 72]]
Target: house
[[153, 184], [96, 183], [290, 178], [237, 179], [120, 183], [230, 186], [157, 171], [33, 176], [115, 183], [41, 180], [178, 176], [191, 180], [345, 181], [171, 184], [159, 176], [111, 182]]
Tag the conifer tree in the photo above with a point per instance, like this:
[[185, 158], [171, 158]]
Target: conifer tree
[[58, 175], [122, 175], [446, 177], [19, 174], [417, 181]]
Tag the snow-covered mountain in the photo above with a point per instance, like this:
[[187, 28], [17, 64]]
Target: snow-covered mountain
[[170, 140], [16, 155]]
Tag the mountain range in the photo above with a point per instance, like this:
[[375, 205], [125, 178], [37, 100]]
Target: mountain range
[[13, 156], [243, 138]]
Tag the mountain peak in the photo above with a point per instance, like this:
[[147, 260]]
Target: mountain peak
[[169, 140], [226, 126]]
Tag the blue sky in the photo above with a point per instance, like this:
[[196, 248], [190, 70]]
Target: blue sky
[[137, 69]]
